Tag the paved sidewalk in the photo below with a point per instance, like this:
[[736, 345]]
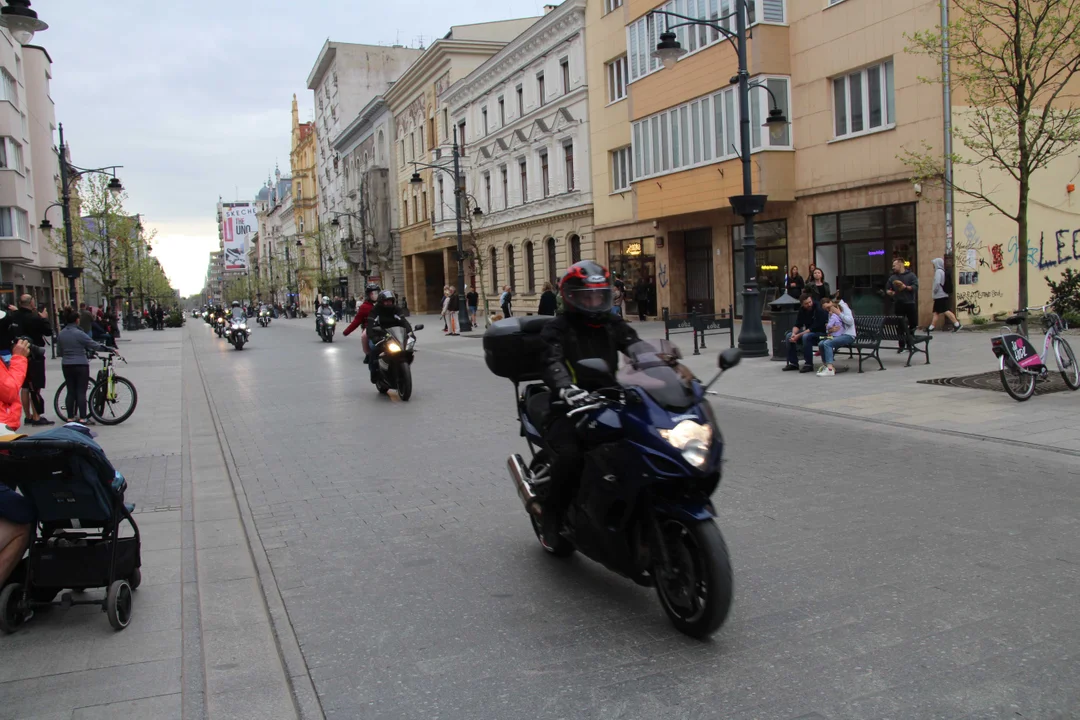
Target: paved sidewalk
[[893, 396], [200, 643]]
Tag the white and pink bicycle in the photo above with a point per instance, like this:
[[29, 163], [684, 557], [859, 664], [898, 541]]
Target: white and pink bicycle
[[1021, 365]]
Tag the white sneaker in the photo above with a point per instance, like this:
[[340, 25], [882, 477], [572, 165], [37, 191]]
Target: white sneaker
[[826, 371]]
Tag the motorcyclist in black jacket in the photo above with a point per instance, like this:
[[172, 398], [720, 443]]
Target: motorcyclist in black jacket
[[386, 314], [585, 329]]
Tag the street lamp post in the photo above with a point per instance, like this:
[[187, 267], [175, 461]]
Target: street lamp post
[[459, 197], [69, 174], [752, 335]]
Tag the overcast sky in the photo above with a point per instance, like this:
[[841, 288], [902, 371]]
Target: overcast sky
[[193, 99]]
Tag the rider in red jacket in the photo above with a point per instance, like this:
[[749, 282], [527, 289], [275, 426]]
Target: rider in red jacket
[[371, 291]]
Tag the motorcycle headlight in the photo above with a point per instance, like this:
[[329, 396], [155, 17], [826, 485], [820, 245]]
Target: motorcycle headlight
[[393, 347], [330, 321], [692, 438]]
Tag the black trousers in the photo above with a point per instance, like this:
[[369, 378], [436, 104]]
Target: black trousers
[[909, 317], [568, 458], [77, 378]]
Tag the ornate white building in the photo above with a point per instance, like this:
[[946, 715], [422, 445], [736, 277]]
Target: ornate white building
[[523, 120]]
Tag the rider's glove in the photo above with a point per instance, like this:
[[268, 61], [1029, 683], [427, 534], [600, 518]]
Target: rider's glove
[[573, 395]]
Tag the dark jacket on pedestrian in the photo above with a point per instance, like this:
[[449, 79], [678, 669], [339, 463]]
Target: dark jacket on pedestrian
[[27, 323], [72, 344], [818, 292], [904, 296], [86, 320], [472, 299], [453, 303], [548, 303], [815, 319]]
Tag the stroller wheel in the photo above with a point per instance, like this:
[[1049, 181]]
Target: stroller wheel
[[12, 617], [118, 604]]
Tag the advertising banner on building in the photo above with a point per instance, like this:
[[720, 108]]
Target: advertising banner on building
[[238, 224]]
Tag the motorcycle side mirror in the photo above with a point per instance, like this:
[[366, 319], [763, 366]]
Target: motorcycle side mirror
[[730, 358], [596, 365], [418, 327]]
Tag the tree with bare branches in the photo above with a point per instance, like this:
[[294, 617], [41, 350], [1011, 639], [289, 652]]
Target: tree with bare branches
[[1015, 61]]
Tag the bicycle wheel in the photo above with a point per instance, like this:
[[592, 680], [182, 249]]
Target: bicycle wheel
[[118, 408], [1066, 362], [60, 399], [1019, 384]]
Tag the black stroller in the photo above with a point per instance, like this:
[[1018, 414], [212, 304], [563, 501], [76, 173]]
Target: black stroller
[[72, 487]]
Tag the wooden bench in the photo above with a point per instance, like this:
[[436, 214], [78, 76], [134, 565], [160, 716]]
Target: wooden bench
[[872, 330]]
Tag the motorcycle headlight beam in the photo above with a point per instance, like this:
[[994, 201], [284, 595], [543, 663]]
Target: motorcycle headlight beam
[[393, 347]]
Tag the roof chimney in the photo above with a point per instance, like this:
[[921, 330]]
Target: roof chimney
[[549, 8]]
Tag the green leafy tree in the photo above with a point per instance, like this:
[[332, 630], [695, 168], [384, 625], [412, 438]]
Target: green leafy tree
[[1015, 62]]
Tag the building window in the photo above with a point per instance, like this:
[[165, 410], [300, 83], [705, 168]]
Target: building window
[[511, 280], [10, 88], [616, 79], [412, 145], [423, 203], [301, 225], [505, 187], [553, 271], [502, 112], [404, 209], [564, 67], [524, 173], [772, 261], [863, 101], [530, 267], [521, 101], [483, 118], [856, 250], [545, 175], [441, 200], [621, 170], [610, 5], [461, 137], [11, 155], [487, 190], [705, 131], [14, 223], [445, 124], [494, 260], [568, 165], [541, 89], [575, 249]]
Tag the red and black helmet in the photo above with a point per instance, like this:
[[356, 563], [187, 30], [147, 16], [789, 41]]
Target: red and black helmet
[[586, 290]]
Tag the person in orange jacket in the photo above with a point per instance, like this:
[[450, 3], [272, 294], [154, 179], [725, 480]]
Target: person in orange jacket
[[12, 375]]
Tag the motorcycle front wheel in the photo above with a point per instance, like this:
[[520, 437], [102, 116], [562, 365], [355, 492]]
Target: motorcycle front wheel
[[404, 382], [697, 586]]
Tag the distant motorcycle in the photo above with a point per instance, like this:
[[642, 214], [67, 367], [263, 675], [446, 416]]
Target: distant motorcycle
[[324, 325], [237, 332], [219, 326], [264, 318], [393, 357]]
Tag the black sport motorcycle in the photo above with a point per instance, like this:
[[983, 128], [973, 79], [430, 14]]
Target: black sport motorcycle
[[393, 356]]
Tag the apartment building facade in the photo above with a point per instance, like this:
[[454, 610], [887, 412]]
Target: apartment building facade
[[524, 113], [838, 194], [29, 175], [421, 125]]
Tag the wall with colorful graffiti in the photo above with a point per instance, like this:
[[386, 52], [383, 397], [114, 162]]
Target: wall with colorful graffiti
[[986, 253]]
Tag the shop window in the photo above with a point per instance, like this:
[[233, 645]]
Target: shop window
[[635, 263], [772, 262]]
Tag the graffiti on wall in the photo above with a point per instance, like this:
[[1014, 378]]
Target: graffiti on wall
[[1048, 249], [661, 275]]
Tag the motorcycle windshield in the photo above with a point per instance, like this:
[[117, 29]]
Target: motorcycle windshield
[[650, 370], [397, 333]]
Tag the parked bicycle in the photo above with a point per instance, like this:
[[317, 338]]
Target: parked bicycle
[[111, 398], [1021, 365]]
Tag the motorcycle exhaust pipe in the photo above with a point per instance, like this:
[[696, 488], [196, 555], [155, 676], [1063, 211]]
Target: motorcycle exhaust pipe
[[519, 474]]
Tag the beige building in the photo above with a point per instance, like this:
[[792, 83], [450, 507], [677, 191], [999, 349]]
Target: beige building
[[526, 113], [421, 125], [304, 207], [838, 196], [29, 176]]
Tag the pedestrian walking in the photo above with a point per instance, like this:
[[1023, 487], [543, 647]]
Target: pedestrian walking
[[548, 303], [505, 301], [443, 308], [902, 288], [641, 297], [472, 301], [453, 306], [86, 319], [73, 345], [941, 294]]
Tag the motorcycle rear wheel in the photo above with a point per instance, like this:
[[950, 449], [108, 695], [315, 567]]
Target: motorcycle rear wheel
[[560, 547], [696, 592]]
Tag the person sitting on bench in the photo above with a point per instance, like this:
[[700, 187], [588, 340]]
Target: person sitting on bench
[[809, 329], [841, 333]]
